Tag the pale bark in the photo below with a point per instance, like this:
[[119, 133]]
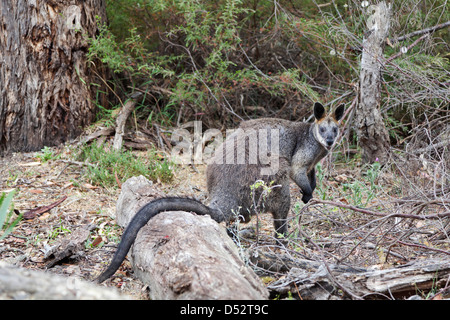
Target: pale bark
[[372, 133], [23, 284], [314, 280], [180, 255]]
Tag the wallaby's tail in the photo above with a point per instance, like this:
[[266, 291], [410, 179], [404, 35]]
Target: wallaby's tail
[[141, 218]]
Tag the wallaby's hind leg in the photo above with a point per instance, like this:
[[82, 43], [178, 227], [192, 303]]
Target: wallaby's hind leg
[[280, 224], [312, 179], [281, 211]]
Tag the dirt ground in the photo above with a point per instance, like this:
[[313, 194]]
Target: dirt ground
[[346, 236], [41, 184]]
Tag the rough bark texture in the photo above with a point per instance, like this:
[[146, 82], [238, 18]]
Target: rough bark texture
[[69, 247], [45, 97], [180, 255], [372, 134], [16, 283]]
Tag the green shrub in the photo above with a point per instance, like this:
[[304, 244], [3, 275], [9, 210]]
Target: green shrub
[[107, 163], [220, 60], [196, 54]]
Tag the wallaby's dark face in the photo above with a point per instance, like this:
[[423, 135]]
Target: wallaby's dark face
[[326, 126]]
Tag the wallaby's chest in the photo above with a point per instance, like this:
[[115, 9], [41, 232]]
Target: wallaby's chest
[[307, 151]]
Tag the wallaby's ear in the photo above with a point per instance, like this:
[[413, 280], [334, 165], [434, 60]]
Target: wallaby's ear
[[319, 111], [339, 112]]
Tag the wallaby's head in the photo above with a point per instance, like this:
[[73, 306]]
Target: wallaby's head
[[326, 126]]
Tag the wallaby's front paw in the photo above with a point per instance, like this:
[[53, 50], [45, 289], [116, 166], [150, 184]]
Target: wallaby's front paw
[[306, 198]]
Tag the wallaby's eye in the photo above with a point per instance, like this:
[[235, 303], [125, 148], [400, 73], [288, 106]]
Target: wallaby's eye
[[335, 130], [322, 129]]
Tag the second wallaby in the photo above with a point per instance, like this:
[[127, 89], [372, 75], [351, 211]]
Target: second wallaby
[[269, 150]]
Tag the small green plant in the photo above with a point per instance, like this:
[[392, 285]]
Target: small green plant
[[60, 229], [266, 190], [361, 195], [431, 292], [207, 62], [321, 190], [109, 232], [6, 212], [46, 154], [372, 174], [108, 165]]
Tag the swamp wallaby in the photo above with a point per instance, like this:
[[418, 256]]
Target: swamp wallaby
[[269, 150]]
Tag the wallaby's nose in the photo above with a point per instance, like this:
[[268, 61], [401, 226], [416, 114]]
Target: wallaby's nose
[[330, 142]]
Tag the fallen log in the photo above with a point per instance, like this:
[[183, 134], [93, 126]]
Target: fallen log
[[18, 283], [312, 280], [184, 256], [180, 255]]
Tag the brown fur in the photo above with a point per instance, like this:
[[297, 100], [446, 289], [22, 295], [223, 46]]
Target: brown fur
[[299, 151]]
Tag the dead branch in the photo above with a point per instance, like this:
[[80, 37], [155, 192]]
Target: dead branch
[[69, 246], [78, 163], [412, 45], [422, 247], [379, 214], [432, 147], [99, 133], [423, 31], [121, 121], [330, 274], [31, 214], [398, 282]]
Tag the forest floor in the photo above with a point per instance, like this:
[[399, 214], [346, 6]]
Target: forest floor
[[348, 223]]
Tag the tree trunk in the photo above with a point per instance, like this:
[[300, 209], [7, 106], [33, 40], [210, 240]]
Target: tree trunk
[[372, 134], [45, 98]]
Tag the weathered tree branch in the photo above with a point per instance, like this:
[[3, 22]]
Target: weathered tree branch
[[314, 282], [398, 54], [423, 31], [17, 283], [31, 214], [121, 121], [379, 214]]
